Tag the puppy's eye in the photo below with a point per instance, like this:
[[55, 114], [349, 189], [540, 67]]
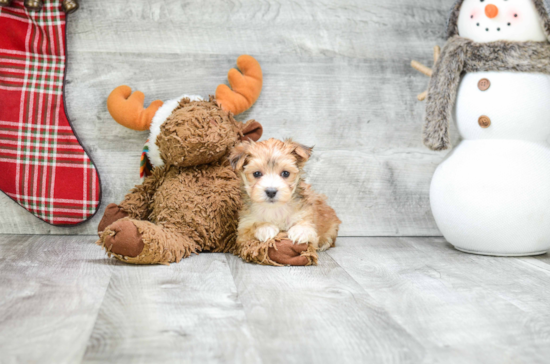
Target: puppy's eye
[[257, 174], [285, 174]]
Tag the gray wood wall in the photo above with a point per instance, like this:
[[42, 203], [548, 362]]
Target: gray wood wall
[[336, 75]]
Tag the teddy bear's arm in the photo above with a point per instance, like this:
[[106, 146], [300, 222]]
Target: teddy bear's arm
[[137, 203]]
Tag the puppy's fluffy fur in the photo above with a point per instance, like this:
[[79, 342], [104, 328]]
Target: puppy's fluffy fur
[[275, 197]]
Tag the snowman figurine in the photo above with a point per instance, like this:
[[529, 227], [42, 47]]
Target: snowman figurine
[[491, 195]]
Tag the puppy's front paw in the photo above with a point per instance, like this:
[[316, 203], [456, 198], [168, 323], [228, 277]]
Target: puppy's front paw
[[266, 232], [324, 246], [303, 234]]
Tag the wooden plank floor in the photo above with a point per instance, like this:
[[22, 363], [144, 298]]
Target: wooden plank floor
[[376, 300]]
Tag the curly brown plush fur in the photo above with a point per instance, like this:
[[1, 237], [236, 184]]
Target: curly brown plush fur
[[463, 55], [191, 203]]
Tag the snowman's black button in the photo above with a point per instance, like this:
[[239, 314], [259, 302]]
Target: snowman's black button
[[484, 84], [484, 121]]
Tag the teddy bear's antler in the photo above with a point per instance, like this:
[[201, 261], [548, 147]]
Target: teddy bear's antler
[[127, 108], [426, 70], [246, 86]]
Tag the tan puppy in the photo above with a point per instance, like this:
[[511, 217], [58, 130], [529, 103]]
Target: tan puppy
[[276, 199]]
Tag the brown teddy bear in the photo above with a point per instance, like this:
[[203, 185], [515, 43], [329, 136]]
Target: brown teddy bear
[[190, 201]]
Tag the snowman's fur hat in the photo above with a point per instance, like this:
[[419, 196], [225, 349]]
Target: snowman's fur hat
[[542, 6]]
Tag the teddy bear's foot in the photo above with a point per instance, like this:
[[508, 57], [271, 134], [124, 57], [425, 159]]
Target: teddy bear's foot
[[112, 213], [123, 238], [279, 251], [285, 252], [143, 242]]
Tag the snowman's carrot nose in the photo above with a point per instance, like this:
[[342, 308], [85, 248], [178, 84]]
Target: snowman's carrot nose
[[491, 11]]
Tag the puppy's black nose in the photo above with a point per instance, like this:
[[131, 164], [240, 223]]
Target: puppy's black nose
[[270, 192]]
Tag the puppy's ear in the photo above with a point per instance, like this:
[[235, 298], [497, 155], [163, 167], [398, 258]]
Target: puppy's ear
[[252, 130], [238, 156], [300, 151]]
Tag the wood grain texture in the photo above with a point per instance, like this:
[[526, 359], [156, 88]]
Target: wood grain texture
[[462, 308], [336, 73], [318, 315], [184, 313], [370, 300], [51, 289]]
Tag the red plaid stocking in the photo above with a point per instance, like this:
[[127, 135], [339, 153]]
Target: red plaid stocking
[[43, 167]]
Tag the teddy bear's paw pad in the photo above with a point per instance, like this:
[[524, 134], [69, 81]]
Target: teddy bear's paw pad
[[287, 253], [123, 239], [112, 213]]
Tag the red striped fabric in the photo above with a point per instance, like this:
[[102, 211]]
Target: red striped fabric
[[43, 166]]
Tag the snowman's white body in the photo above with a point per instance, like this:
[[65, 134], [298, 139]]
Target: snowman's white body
[[492, 193]]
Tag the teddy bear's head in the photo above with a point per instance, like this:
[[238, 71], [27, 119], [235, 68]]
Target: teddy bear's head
[[190, 131], [200, 132]]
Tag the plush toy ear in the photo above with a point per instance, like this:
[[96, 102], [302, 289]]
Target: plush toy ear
[[238, 156], [252, 130]]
